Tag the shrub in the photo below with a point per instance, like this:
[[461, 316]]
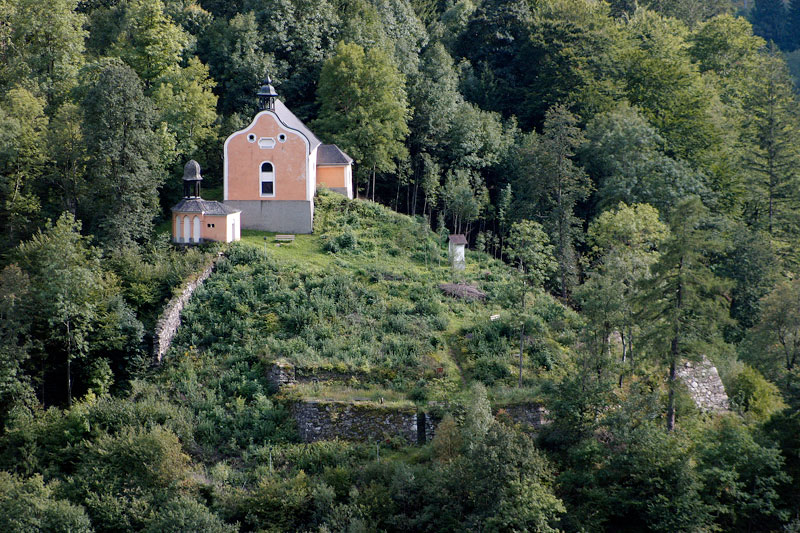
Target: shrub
[[752, 393]]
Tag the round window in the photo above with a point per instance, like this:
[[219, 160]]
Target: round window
[[282, 137], [251, 138]]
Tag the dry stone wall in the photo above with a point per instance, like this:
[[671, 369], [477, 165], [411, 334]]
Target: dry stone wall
[[531, 416], [704, 384], [170, 320], [327, 420], [366, 421]]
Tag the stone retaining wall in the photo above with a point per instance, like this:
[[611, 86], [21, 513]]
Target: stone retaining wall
[[704, 384], [365, 421], [170, 319], [357, 421], [531, 416]]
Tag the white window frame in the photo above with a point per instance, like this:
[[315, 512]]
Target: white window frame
[[264, 177]]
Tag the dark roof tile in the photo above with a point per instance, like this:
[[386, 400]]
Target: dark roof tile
[[330, 154], [208, 207]]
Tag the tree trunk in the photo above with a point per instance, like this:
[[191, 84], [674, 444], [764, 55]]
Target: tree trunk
[[624, 354], [69, 366], [521, 342], [671, 398], [373, 183]]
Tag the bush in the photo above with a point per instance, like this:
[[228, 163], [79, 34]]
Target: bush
[[751, 393], [488, 370]]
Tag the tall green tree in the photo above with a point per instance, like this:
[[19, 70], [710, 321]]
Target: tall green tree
[[529, 248], [41, 45], [624, 245], [363, 107], [126, 151], [464, 197], [23, 130], [186, 103], [67, 288], [770, 144], [683, 303], [149, 42], [665, 84], [551, 185]]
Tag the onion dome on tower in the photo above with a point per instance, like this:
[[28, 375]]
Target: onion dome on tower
[[191, 179], [267, 95]]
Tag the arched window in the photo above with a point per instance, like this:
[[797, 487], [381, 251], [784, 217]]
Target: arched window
[[196, 230], [187, 229], [267, 179]]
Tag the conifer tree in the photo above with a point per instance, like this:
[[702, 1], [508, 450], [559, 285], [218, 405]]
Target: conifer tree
[[559, 184], [682, 302], [770, 139]]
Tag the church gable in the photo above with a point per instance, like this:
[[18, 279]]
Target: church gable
[[267, 161]]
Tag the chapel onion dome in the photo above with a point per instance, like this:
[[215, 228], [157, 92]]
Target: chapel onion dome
[[267, 95], [191, 179]]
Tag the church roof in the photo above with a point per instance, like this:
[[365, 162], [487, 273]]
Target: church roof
[[330, 154], [290, 120], [458, 239], [207, 207]]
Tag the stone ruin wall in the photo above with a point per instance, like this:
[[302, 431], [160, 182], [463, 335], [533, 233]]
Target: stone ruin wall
[[704, 384], [324, 420], [170, 319], [366, 421]]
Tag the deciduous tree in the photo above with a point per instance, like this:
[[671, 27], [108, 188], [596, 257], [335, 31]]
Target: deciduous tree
[[363, 107]]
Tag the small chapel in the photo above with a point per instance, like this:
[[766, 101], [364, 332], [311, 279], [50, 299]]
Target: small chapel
[[272, 168], [195, 220]]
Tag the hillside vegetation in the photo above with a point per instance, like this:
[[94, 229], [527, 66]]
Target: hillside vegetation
[[627, 177]]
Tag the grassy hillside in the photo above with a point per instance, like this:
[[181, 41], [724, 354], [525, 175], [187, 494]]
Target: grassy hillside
[[358, 304]]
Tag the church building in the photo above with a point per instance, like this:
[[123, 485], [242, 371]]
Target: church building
[[273, 167]]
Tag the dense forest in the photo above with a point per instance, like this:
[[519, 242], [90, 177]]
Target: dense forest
[[627, 175]]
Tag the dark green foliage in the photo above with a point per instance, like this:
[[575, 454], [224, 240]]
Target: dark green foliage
[[684, 307], [125, 156], [30, 505], [625, 155], [232, 50], [769, 20], [741, 478]]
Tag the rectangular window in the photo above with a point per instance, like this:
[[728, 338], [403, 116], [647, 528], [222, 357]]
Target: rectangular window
[[267, 188]]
